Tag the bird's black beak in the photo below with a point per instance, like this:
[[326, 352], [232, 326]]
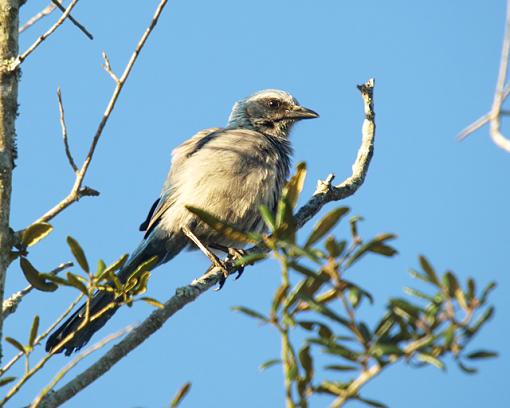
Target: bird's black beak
[[299, 112]]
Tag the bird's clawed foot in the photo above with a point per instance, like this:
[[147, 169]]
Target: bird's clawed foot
[[233, 255]]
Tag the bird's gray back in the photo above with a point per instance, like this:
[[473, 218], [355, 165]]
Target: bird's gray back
[[230, 173]]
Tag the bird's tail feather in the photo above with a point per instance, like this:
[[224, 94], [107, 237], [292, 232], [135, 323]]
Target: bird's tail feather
[[148, 249], [98, 303]]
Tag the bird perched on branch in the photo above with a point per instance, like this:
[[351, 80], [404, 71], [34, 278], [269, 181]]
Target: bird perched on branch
[[227, 172]]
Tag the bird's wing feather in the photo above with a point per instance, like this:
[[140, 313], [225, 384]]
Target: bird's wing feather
[[179, 155]]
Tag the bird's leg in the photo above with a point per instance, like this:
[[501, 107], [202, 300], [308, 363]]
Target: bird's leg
[[234, 254], [213, 258]]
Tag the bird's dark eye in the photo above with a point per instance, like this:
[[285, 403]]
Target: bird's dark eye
[[273, 103]]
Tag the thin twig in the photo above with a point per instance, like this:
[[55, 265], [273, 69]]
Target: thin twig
[[73, 20], [77, 190], [43, 13], [189, 293], [43, 37], [9, 306], [43, 335], [501, 93], [64, 132], [107, 67], [99, 345], [212, 257], [495, 127], [473, 127]]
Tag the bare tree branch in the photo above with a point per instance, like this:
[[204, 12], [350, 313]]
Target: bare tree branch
[[43, 37], [73, 20], [10, 305], [107, 67], [189, 293], [43, 13], [78, 190], [64, 132], [500, 95], [9, 16], [99, 345]]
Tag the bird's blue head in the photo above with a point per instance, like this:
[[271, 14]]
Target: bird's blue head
[[272, 112]]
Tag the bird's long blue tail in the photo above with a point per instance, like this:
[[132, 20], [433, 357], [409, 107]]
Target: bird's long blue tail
[[101, 300]]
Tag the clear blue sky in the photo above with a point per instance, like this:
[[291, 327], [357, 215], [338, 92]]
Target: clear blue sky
[[435, 64]]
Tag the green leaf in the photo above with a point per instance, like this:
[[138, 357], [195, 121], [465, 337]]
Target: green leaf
[[383, 349], [251, 313], [486, 316], [141, 285], [371, 403], [6, 380], [180, 395], [326, 224], [78, 253], [449, 336], [451, 283], [74, 281], [383, 249], [114, 267], [338, 367], [334, 248], [384, 326], [429, 359], [365, 331], [354, 227], [418, 294], [324, 331], [33, 331], [471, 289], [420, 276], [303, 269], [375, 245], [101, 267], [222, 227], [295, 295], [269, 363], [466, 369], [313, 284], [354, 297], [34, 233], [306, 362], [250, 259], [485, 293], [267, 217], [330, 347], [55, 279], [280, 294], [481, 354], [33, 276], [153, 302], [427, 268], [362, 291], [325, 311], [285, 221], [295, 185], [16, 344], [410, 309], [144, 267]]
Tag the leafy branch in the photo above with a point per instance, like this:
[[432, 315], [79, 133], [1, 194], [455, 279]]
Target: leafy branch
[[323, 306]]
